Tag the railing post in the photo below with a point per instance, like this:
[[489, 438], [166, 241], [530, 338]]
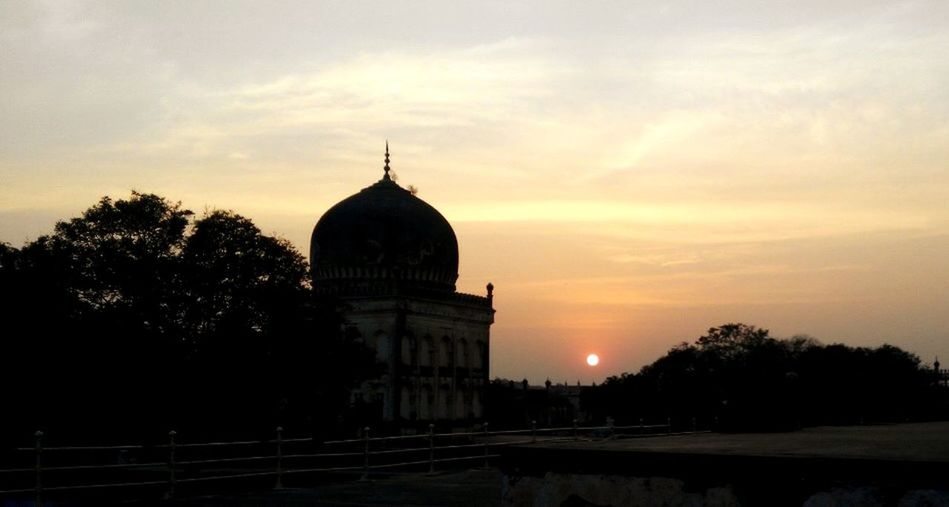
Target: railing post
[[576, 433], [642, 427], [533, 431], [171, 464], [365, 454], [485, 445], [609, 422], [279, 484], [38, 436], [431, 449]]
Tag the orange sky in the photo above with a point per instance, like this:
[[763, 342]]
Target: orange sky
[[626, 176]]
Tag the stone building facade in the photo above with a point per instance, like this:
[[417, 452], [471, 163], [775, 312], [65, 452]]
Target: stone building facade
[[393, 261]]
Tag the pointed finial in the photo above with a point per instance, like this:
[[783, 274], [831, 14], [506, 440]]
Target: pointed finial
[[386, 168]]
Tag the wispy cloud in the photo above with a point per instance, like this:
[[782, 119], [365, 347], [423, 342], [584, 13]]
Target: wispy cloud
[[710, 159]]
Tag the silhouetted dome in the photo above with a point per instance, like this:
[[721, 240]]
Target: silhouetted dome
[[383, 239]]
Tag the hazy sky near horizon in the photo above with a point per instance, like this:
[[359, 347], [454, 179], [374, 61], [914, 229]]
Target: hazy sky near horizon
[[627, 174]]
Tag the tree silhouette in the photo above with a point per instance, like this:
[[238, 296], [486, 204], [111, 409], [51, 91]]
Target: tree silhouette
[[134, 318], [747, 380]]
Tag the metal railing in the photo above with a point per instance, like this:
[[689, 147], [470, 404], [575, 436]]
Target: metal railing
[[165, 467]]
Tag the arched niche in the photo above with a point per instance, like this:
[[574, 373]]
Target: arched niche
[[461, 410], [426, 351], [445, 352], [480, 352], [406, 405], [352, 332], [476, 403], [461, 354], [444, 403], [383, 346], [425, 402], [409, 350]]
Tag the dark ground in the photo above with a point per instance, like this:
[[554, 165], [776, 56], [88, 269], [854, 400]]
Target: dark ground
[[893, 462], [469, 488], [919, 442], [897, 457]]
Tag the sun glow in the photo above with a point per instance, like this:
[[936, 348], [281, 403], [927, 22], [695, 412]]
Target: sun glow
[[593, 360]]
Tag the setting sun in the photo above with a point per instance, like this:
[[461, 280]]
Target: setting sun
[[593, 360], [609, 218]]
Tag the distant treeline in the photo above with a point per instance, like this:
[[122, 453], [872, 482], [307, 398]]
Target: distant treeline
[[137, 318], [740, 378]]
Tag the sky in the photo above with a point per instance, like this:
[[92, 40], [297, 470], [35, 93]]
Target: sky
[[627, 174]]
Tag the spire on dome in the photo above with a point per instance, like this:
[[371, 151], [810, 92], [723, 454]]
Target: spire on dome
[[386, 168]]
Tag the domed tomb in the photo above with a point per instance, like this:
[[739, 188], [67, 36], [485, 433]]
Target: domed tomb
[[383, 239], [393, 259]]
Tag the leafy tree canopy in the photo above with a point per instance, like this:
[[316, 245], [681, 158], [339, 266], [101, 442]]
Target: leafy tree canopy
[[141, 317]]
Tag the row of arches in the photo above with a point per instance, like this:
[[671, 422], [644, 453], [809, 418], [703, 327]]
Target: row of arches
[[444, 352], [429, 352], [427, 403]]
